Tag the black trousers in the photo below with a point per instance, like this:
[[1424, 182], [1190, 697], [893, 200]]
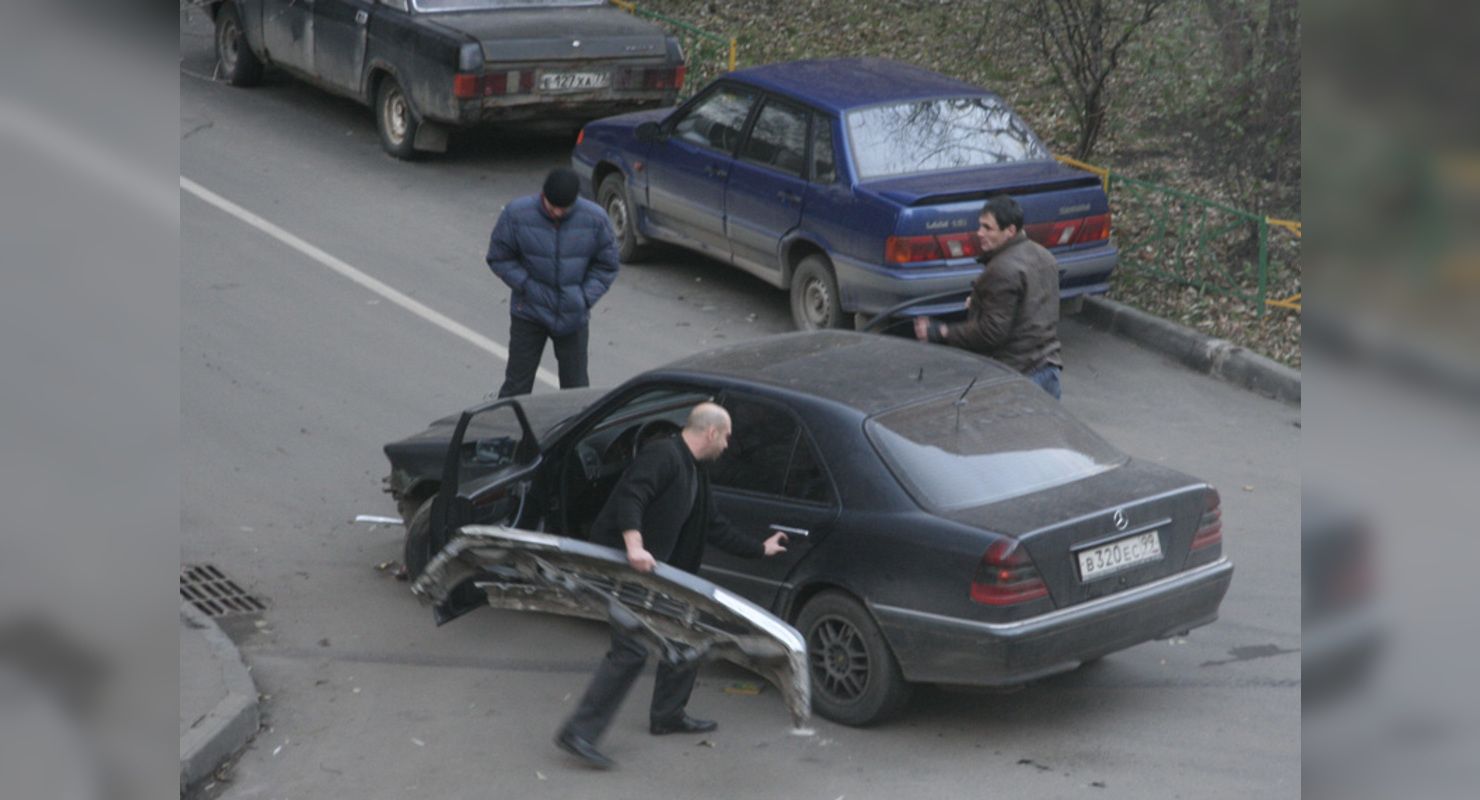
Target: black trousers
[[527, 345], [614, 678]]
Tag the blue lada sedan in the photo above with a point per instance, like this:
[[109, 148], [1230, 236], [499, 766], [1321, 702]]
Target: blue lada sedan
[[855, 184]]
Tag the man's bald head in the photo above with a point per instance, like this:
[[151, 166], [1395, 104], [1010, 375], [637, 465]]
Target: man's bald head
[[707, 431]]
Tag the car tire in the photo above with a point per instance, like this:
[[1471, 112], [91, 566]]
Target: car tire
[[395, 119], [613, 198], [238, 65], [855, 678], [815, 304], [418, 548]]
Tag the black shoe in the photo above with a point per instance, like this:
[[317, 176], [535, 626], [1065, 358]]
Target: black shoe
[[683, 724], [584, 750]]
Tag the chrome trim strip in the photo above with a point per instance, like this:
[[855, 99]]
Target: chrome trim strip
[[1083, 609]]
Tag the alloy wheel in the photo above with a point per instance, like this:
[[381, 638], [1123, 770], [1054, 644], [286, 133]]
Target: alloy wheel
[[840, 663]]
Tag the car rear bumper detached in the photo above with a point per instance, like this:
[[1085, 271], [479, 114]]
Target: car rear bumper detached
[[870, 288], [937, 649]]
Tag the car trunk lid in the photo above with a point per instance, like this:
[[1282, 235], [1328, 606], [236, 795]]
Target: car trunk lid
[[563, 34], [956, 186], [1063, 208], [1132, 500]]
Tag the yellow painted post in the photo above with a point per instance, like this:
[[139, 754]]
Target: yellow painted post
[[1101, 171], [733, 43], [1292, 302], [1291, 225]]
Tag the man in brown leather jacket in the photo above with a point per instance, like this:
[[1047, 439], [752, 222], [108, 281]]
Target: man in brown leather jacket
[[1012, 314]]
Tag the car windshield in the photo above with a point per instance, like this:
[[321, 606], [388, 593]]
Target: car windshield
[[939, 134], [476, 5], [1011, 439]]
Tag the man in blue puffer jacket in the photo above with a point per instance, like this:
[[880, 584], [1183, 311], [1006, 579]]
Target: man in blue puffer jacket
[[557, 253]]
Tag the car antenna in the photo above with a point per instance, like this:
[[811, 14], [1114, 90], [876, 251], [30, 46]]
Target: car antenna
[[961, 401]]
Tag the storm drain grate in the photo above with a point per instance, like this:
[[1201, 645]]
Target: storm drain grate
[[209, 589]]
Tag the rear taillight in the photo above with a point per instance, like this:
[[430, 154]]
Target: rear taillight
[[1006, 576], [466, 86], [1070, 231], [665, 78], [650, 78], [471, 86], [581, 137], [1095, 229], [915, 249], [1210, 528]]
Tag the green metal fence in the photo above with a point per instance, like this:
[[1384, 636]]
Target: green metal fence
[[1171, 235], [708, 55]]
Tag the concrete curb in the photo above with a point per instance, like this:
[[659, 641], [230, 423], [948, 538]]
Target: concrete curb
[[234, 720], [1216, 357]]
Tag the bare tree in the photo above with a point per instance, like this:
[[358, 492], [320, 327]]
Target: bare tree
[[1082, 40], [1260, 57]]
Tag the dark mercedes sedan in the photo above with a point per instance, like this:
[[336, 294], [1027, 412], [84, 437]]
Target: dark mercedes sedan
[[428, 66], [949, 522]]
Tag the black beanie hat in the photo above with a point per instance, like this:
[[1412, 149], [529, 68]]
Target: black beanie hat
[[561, 187]]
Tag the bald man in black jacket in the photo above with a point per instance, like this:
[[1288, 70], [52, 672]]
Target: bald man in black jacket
[[660, 510]]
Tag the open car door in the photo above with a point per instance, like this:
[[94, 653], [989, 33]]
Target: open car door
[[682, 617], [491, 463]]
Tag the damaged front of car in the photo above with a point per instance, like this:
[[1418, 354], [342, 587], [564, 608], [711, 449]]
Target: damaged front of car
[[681, 617]]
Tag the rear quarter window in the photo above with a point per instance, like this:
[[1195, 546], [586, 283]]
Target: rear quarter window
[[1002, 441]]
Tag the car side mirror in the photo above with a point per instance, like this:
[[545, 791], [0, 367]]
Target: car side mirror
[[648, 132]]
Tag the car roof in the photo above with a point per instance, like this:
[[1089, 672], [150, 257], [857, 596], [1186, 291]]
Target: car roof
[[869, 373], [840, 84]]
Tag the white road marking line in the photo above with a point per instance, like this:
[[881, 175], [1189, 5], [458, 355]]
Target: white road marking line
[[419, 309]]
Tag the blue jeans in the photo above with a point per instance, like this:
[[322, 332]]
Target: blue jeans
[[1047, 378]]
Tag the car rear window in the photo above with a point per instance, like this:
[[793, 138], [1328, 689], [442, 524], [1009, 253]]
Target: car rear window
[[1001, 441], [939, 134]]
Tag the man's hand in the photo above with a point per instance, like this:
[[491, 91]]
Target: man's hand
[[637, 555], [775, 544], [922, 328], [968, 302], [641, 560]]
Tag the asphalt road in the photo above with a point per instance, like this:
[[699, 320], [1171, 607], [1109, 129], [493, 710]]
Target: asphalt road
[[296, 368]]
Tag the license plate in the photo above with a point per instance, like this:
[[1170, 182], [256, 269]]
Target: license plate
[[1120, 554], [573, 81]]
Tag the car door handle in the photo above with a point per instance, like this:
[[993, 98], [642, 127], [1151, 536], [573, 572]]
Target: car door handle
[[714, 172], [789, 531], [788, 197]]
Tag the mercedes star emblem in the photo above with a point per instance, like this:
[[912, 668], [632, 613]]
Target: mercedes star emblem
[[1121, 523]]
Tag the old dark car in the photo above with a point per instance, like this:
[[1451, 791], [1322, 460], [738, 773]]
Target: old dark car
[[855, 184], [428, 66], [949, 522]]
